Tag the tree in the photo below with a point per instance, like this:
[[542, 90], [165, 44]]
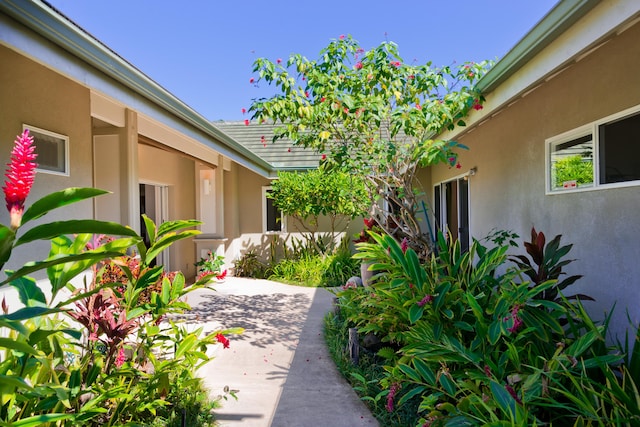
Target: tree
[[306, 196], [372, 115]]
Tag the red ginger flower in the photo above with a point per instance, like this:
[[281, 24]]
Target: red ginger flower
[[222, 340], [21, 172]]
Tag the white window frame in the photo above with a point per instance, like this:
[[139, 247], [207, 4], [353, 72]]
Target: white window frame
[[593, 130], [283, 219], [36, 132]]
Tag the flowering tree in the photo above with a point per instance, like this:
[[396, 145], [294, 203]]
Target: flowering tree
[[373, 115]]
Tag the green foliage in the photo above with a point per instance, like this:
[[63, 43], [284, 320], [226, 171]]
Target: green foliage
[[365, 377], [249, 265], [479, 347], [305, 266], [308, 196], [374, 116], [102, 353], [211, 264]]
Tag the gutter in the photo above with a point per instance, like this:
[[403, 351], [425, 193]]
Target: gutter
[[563, 15], [45, 20]]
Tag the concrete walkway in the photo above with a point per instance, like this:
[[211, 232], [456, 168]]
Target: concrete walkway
[[280, 365]]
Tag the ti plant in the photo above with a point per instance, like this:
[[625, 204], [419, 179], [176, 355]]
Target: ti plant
[[546, 263]]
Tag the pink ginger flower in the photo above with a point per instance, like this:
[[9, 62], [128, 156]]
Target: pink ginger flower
[[395, 388], [222, 340], [121, 358], [21, 172], [425, 300], [404, 245]]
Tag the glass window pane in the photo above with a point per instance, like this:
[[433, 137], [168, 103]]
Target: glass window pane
[[572, 164], [274, 222], [620, 150]]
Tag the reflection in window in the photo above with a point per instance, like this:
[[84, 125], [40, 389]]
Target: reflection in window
[[572, 164]]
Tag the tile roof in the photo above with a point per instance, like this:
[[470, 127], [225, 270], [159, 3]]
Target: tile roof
[[282, 154]]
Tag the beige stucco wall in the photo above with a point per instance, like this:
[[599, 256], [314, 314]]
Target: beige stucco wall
[[159, 167], [508, 191], [32, 94]]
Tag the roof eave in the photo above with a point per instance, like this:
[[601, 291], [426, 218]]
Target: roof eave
[[562, 16], [43, 19]]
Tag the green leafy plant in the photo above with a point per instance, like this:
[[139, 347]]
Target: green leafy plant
[[478, 346], [103, 352], [212, 265]]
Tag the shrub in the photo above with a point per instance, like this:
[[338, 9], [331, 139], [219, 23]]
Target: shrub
[[478, 347]]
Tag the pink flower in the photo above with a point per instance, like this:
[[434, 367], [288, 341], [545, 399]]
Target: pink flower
[[279, 61], [246, 122], [358, 65], [487, 370], [458, 166], [419, 107], [412, 77], [251, 80], [323, 99], [476, 105], [121, 358], [306, 94], [342, 37], [404, 245], [244, 111], [395, 387], [513, 393], [21, 172], [425, 300], [222, 340], [517, 322], [395, 63], [323, 157]]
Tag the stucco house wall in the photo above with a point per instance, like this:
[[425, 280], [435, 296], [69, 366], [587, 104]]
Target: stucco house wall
[[508, 190], [159, 167], [32, 94]]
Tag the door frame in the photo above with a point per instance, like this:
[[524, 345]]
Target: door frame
[[442, 206]]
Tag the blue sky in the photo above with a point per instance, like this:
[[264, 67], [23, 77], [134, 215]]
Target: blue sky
[[203, 50]]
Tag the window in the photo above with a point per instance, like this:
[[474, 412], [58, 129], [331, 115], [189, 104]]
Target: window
[[52, 150], [272, 219], [602, 154]]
